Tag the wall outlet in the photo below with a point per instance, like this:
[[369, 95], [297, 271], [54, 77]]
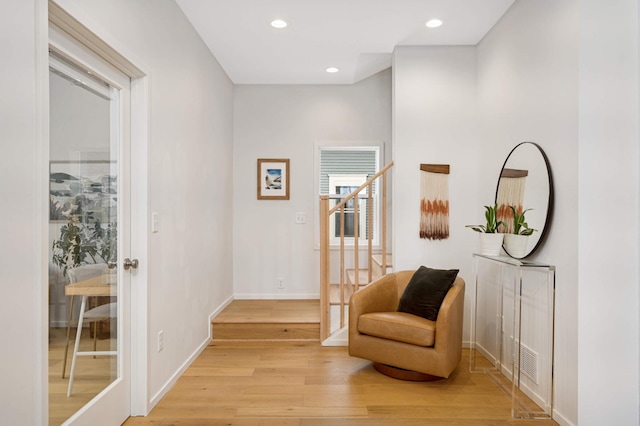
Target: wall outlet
[[160, 340], [301, 218], [280, 282]]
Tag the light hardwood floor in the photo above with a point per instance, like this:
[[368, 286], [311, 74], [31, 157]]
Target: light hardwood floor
[[92, 374], [301, 384]]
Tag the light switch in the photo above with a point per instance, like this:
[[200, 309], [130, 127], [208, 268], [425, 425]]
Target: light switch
[[155, 222], [301, 218]]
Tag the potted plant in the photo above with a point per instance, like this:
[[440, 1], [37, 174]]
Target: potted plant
[[81, 243], [490, 237], [515, 243]]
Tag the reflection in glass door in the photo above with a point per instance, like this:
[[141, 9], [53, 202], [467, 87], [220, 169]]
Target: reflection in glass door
[[85, 337]]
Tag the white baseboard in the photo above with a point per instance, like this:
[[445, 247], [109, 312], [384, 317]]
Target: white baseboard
[[560, 419], [527, 390], [338, 338], [276, 296], [180, 371], [174, 378], [218, 310]]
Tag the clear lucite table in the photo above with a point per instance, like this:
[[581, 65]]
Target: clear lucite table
[[512, 329]]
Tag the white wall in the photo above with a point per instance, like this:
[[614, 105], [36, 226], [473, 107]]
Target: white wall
[[435, 123], [190, 153], [22, 228], [278, 121], [608, 332], [565, 74], [528, 91]]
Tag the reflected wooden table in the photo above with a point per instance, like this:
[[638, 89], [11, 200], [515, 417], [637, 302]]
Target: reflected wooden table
[[101, 285]]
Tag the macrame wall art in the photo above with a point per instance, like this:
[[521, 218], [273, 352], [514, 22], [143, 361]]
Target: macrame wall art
[[510, 193], [434, 201]]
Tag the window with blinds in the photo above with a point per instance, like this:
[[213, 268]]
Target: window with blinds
[[346, 161], [343, 170]]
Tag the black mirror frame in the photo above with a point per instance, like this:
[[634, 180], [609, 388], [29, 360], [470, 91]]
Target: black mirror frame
[[549, 215]]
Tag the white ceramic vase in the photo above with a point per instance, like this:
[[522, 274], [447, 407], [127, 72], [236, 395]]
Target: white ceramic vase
[[516, 245], [490, 244]]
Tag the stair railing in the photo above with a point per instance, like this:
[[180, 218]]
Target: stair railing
[[326, 214]]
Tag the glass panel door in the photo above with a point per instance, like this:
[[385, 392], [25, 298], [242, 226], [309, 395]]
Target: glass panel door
[[88, 299]]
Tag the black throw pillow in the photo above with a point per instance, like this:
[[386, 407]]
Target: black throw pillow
[[426, 291]]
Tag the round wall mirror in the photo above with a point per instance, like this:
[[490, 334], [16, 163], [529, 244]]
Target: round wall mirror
[[525, 183]]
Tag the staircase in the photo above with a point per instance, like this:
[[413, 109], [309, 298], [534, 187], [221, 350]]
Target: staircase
[[376, 271], [334, 296], [267, 321], [363, 278]]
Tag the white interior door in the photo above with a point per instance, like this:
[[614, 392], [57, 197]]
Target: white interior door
[[90, 219]]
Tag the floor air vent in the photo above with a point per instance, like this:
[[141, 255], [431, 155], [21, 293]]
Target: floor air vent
[[528, 363]]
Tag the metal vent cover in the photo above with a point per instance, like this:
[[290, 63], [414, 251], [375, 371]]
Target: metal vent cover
[[528, 363]]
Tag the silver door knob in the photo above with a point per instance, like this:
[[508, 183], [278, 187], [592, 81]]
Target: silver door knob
[[111, 264], [130, 263]]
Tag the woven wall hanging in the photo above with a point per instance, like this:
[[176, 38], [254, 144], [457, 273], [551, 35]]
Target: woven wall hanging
[[510, 193], [434, 201]]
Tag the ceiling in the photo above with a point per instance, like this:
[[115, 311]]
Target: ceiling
[[356, 36]]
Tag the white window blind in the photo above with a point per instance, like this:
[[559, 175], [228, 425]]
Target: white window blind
[[344, 162]]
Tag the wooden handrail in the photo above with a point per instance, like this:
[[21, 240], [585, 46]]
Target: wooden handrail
[[361, 187], [325, 267]]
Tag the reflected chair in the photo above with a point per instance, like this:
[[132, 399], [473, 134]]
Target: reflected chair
[[401, 344], [90, 316]]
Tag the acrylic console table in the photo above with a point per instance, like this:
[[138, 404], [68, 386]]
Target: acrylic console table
[[511, 334]]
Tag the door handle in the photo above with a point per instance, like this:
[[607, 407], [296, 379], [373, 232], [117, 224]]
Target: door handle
[[111, 264], [130, 263]]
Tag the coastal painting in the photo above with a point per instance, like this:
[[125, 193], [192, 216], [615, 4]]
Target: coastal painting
[[273, 179], [84, 189]]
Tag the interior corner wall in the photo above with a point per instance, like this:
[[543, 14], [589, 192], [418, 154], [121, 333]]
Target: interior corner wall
[[528, 91], [435, 123], [288, 121], [21, 306], [608, 333], [190, 162]]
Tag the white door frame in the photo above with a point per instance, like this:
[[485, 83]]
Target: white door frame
[[109, 49]]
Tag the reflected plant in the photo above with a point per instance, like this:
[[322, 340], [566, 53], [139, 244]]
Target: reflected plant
[[520, 227], [81, 243]]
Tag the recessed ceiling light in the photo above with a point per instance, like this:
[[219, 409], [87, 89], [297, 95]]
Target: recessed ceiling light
[[332, 69], [278, 23], [434, 23]]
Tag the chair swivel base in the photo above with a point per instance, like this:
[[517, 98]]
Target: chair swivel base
[[402, 374]]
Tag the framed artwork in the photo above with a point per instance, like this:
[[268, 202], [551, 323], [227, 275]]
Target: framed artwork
[[87, 189], [273, 178]]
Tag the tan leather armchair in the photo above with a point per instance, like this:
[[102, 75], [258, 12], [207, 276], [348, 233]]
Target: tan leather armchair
[[379, 333]]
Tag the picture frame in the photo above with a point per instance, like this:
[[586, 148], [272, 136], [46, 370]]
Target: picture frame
[[273, 179], [87, 189]]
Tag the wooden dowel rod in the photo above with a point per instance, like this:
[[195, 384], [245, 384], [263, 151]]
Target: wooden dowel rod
[[435, 168]]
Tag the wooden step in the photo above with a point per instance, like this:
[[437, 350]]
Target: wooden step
[[266, 332], [377, 258], [334, 293], [268, 320], [376, 264], [363, 276]]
